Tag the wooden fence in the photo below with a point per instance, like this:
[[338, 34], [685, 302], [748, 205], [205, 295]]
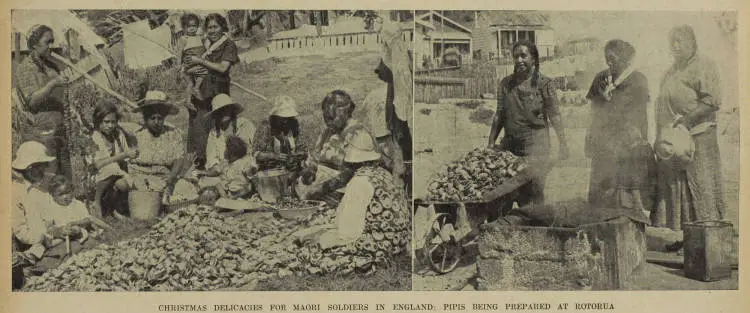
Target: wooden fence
[[458, 82], [360, 41]]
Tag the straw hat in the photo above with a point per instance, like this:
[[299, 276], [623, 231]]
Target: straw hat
[[156, 97], [223, 100], [675, 144], [361, 148], [284, 106], [30, 152]]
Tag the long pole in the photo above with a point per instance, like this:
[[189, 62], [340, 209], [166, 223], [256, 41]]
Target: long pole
[[243, 88], [86, 75]]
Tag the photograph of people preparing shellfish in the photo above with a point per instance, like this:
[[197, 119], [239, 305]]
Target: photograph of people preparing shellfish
[[576, 150], [179, 150]]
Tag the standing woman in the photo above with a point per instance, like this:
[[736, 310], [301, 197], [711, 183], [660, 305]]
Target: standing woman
[[619, 97], [689, 97], [526, 106], [42, 88], [221, 54]]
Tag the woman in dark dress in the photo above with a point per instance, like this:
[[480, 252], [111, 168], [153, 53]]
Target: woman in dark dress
[[526, 108], [218, 60], [619, 97]]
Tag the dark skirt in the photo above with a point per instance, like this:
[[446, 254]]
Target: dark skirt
[[199, 126]]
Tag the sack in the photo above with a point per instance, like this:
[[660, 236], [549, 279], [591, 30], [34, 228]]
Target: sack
[[675, 145]]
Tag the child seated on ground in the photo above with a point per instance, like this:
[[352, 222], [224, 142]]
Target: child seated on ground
[[233, 173], [65, 219], [192, 44], [635, 180], [66, 212]]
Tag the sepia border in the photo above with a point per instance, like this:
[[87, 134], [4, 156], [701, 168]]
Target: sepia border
[[640, 301]]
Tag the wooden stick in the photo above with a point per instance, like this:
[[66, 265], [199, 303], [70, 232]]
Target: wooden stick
[[67, 245], [249, 91], [120, 97]]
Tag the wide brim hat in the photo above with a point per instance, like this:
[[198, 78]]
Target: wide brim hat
[[157, 98], [361, 148], [29, 153], [222, 101], [284, 106]]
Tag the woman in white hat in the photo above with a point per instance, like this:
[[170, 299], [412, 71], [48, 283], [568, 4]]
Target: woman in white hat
[[689, 97], [278, 145], [371, 223], [27, 222], [226, 123], [162, 158]]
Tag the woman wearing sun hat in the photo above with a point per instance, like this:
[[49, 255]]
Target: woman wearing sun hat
[[27, 222], [371, 222], [226, 123], [279, 141], [162, 158]]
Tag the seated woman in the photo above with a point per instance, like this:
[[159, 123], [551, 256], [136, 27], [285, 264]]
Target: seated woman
[[227, 123], [235, 171], [161, 160], [325, 168], [277, 143], [371, 224], [27, 223], [113, 147]]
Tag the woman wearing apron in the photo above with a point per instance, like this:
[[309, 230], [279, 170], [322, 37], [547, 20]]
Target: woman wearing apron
[[526, 106]]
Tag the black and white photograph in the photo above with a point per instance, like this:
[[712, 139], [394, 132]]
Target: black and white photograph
[[211, 150], [576, 150]]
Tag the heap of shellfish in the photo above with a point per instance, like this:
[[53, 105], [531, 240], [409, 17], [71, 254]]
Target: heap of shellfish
[[475, 174], [195, 249]]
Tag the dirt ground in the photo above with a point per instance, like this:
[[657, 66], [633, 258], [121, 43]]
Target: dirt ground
[[446, 132]]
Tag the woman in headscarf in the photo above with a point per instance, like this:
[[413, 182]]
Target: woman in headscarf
[[526, 107], [325, 168], [278, 145], [219, 58], [42, 87], [689, 97], [619, 97], [161, 160], [113, 147], [370, 225]]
